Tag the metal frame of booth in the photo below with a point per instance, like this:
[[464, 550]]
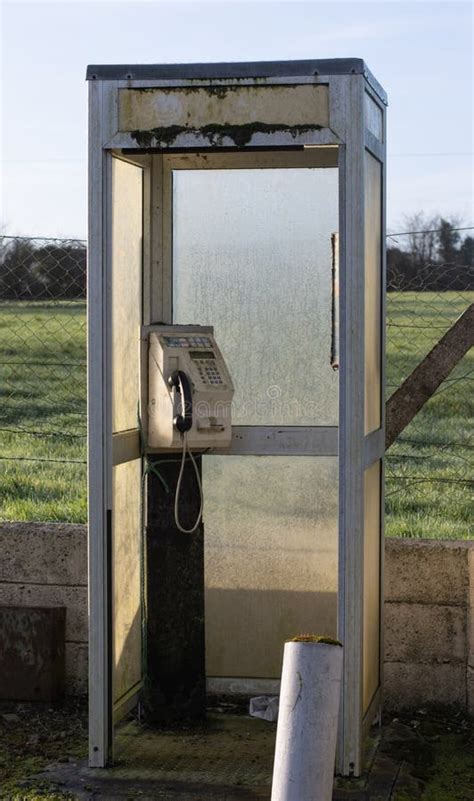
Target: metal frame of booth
[[355, 127]]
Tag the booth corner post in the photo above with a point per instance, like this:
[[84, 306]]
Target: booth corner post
[[173, 150]]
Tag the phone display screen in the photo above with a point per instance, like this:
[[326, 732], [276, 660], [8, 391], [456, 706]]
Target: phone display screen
[[202, 354]]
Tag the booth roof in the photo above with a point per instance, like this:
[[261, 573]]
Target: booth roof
[[247, 69]]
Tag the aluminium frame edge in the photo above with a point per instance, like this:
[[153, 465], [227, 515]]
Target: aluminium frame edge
[[99, 430], [350, 112]]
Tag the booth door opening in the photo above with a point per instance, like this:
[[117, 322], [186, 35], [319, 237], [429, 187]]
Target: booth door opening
[[253, 255]]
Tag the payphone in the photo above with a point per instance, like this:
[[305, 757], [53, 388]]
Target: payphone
[[189, 398], [190, 390]]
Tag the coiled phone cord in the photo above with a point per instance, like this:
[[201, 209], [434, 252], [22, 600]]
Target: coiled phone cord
[[178, 489]]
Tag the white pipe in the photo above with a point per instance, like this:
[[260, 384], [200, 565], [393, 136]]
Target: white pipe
[[305, 749]]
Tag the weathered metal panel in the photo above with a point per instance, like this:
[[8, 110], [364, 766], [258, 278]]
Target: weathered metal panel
[[214, 139], [32, 661], [236, 111]]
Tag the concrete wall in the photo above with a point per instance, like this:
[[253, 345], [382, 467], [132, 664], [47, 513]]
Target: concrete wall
[[45, 564], [429, 608], [429, 623]]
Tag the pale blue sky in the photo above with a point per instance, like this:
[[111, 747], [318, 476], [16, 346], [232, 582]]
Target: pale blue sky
[[422, 53]]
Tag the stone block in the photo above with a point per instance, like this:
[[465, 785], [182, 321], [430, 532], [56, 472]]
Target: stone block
[[76, 668], [73, 598], [408, 686], [44, 553], [427, 571], [425, 633], [32, 653]]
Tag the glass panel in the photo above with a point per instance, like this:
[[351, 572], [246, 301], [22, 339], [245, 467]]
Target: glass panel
[[371, 582], [126, 288], [373, 117], [373, 292], [126, 554], [270, 558], [252, 257]]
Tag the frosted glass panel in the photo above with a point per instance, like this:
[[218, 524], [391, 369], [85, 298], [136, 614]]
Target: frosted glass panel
[[373, 292], [252, 256], [270, 558], [126, 287], [126, 551], [371, 582]]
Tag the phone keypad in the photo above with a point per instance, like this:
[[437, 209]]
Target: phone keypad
[[208, 371]]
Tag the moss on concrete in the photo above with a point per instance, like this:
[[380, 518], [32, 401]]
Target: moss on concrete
[[452, 769], [315, 638], [436, 757]]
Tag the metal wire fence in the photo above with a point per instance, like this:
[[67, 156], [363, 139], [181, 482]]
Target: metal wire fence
[[43, 386], [42, 379], [429, 469]]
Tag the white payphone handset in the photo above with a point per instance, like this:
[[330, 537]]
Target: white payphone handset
[[190, 395]]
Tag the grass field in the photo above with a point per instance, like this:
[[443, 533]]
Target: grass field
[[429, 468], [43, 406], [43, 418]]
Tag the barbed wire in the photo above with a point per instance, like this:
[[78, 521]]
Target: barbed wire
[[41, 459], [84, 241], [44, 238], [430, 231]]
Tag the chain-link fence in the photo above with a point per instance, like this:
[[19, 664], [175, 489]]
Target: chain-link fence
[[42, 379], [43, 385], [429, 469]]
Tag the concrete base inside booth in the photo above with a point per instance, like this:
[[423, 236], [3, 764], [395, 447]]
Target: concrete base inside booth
[[227, 757], [224, 750]]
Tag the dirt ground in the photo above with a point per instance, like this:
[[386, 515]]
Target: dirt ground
[[32, 735], [424, 756]]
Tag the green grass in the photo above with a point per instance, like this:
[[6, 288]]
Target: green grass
[[437, 757], [45, 400], [429, 468], [43, 406]]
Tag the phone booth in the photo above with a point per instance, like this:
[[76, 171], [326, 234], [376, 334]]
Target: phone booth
[[236, 375]]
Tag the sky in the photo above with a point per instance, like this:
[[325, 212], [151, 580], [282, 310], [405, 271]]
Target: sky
[[421, 53]]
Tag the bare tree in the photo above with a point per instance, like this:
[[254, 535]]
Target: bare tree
[[422, 239]]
